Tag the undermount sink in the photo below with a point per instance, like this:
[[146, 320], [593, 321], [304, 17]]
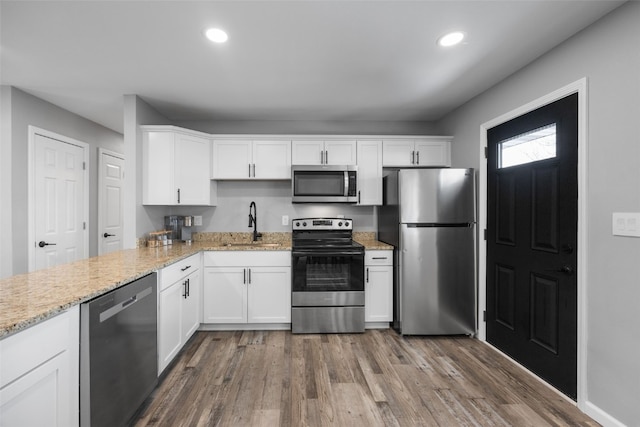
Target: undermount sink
[[254, 244]]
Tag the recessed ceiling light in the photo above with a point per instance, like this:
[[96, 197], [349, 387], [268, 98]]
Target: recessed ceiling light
[[216, 35], [451, 39]]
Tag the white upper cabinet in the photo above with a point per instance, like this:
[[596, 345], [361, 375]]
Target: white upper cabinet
[[176, 167], [324, 152], [370, 173], [423, 151], [251, 159]]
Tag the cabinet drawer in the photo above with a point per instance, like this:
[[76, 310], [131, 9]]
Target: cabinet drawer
[[178, 270], [247, 258], [378, 257]]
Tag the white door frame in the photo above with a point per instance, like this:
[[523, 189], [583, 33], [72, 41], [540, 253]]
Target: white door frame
[[33, 131], [120, 156], [579, 87]]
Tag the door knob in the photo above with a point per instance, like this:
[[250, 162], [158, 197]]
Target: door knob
[[105, 235], [566, 269], [42, 244]]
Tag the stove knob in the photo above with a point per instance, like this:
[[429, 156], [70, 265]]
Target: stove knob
[[304, 224], [340, 224], [346, 224], [298, 224]]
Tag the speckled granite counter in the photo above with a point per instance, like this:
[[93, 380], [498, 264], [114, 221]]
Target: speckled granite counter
[[27, 299]]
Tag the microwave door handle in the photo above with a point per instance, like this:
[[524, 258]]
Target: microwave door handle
[[346, 183]]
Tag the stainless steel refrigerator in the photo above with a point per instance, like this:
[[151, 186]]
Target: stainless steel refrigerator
[[429, 217]]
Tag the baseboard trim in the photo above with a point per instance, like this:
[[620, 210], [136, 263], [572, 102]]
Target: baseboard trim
[[600, 416]]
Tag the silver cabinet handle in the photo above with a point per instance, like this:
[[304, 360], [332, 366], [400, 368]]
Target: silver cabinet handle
[[244, 281], [178, 195], [184, 289], [249, 275], [326, 157], [413, 157], [417, 157]]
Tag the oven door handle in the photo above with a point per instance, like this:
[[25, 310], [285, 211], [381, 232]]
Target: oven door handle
[[325, 253]]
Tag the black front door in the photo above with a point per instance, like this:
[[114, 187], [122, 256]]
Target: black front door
[[532, 212]]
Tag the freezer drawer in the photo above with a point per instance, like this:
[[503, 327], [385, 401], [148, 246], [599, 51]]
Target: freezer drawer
[[436, 280]]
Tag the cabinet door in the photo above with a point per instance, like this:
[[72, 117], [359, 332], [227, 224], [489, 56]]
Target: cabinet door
[[378, 305], [307, 152], [340, 152], [38, 398], [272, 159], [192, 170], [170, 324], [39, 373], [224, 295], [158, 186], [269, 295], [369, 172], [398, 152], [231, 159], [191, 306], [433, 153]]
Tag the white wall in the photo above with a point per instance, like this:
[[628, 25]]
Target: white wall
[[608, 54], [311, 127], [138, 219], [24, 110], [6, 234]]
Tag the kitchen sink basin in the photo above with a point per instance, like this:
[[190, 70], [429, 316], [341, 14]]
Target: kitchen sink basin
[[254, 245]]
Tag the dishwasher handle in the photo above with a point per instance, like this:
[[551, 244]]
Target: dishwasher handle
[[113, 310]]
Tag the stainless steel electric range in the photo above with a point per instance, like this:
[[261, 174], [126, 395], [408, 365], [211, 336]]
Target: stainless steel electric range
[[327, 277]]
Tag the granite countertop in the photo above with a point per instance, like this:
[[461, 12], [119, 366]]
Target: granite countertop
[[27, 299]]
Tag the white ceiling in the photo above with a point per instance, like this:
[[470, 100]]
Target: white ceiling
[[285, 60]]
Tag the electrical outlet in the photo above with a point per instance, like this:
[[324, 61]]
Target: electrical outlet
[[626, 224], [285, 219], [197, 220]]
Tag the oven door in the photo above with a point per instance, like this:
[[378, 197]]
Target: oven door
[[327, 277]]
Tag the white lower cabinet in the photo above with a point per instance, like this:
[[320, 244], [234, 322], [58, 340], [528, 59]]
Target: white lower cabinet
[[178, 307], [39, 374], [378, 285], [247, 287]]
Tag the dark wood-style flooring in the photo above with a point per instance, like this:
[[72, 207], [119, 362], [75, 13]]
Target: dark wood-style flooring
[[274, 378]]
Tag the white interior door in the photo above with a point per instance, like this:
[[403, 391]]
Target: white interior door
[[59, 202], [110, 201]]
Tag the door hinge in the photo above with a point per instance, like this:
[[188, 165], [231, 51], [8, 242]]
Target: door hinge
[[484, 316]]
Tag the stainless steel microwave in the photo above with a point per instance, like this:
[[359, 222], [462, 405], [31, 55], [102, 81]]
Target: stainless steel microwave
[[324, 184]]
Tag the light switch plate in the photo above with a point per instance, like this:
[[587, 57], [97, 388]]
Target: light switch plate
[[626, 224], [285, 219], [197, 220]]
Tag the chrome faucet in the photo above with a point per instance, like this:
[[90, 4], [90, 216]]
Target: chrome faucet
[[253, 221]]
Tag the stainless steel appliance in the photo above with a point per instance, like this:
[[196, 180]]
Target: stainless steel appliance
[[429, 216], [180, 227], [118, 353], [327, 277], [324, 184]]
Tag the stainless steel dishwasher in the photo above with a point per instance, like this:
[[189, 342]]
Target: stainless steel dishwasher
[[118, 353]]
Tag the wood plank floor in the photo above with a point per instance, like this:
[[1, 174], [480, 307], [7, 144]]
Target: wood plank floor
[[274, 378]]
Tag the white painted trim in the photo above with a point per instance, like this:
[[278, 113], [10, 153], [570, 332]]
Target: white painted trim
[[101, 152], [601, 416], [580, 87], [33, 131]]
